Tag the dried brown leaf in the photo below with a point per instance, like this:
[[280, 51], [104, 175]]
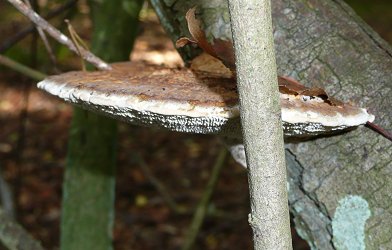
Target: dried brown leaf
[[197, 33], [224, 51], [182, 41], [220, 49], [208, 65], [290, 86]]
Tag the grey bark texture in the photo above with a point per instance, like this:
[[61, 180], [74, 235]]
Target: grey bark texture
[[324, 43], [15, 237], [257, 85]]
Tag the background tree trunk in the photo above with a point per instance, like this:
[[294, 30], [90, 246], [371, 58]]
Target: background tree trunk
[[88, 199], [261, 122], [324, 43]]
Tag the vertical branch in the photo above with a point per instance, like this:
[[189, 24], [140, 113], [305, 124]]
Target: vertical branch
[[261, 122], [201, 209]]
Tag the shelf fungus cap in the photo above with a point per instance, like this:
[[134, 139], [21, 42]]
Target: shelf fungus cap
[[185, 101]]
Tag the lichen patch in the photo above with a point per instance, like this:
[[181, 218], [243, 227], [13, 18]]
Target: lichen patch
[[348, 224]]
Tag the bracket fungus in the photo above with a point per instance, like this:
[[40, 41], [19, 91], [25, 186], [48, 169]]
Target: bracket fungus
[[197, 102]]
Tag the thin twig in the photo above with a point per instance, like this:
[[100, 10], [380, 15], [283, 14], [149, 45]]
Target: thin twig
[[379, 130], [10, 41], [22, 134], [201, 209], [56, 34], [44, 40], [77, 41], [48, 49], [158, 185], [34, 74]]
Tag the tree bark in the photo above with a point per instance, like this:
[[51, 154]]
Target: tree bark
[[89, 185], [261, 122], [14, 236], [324, 43]]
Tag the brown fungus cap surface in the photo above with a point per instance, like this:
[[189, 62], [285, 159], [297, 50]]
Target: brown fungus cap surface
[[194, 101]]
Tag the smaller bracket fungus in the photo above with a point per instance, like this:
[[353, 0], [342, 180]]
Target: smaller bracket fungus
[[186, 101]]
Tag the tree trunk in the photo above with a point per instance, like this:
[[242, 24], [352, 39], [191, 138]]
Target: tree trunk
[[261, 122], [339, 187], [88, 196]]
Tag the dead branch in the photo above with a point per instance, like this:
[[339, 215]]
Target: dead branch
[[13, 236], [77, 41], [158, 185], [45, 41], [378, 129], [9, 42], [56, 34]]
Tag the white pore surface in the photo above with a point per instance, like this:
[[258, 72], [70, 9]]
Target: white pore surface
[[168, 108], [187, 117], [173, 115], [291, 115]]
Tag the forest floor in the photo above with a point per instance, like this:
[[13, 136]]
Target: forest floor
[[33, 140]]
